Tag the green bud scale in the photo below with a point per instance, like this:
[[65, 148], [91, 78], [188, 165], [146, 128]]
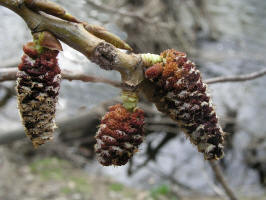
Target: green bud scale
[[150, 59]]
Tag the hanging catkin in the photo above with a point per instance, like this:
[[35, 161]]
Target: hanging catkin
[[180, 93], [119, 135], [38, 82]]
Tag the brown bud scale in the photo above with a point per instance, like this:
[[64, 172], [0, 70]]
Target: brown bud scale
[[38, 82], [119, 135], [181, 93]]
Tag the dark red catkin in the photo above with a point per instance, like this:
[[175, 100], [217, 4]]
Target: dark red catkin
[[38, 82], [181, 93], [119, 135]]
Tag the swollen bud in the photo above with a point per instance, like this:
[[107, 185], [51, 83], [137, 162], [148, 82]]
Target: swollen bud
[[181, 94], [38, 83], [47, 40], [119, 135], [50, 8], [109, 37]]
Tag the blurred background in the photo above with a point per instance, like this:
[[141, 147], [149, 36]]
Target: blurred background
[[222, 37]]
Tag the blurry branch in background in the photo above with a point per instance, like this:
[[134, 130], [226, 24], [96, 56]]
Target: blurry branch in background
[[220, 178], [199, 11], [9, 92], [118, 12], [238, 78], [9, 74], [211, 183], [164, 124], [177, 188], [151, 152], [86, 122], [63, 151], [170, 176], [70, 75], [65, 125], [131, 15]]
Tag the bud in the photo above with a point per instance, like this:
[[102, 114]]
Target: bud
[[50, 8], [119, 135], [107, 36], [38, 82], [149, 59], [181, 94]]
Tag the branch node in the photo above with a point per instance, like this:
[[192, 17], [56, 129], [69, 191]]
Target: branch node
[[104, 55]]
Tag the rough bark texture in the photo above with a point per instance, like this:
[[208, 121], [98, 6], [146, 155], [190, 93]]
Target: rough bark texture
[[105, 56]]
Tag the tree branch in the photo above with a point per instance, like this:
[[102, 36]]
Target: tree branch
[[69, 75], [244, 77], [220, 177], [76, 36], [9, 74]]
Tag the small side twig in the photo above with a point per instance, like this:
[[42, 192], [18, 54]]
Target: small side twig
[[9, 74], [220, 177], [69, 75], [239, 78]]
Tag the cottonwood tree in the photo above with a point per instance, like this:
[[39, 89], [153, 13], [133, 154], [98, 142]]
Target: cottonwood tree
[[169, 80]]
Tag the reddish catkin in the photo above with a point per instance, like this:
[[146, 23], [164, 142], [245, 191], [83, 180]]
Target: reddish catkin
[[119, 135], [38, 82], [181, 93]]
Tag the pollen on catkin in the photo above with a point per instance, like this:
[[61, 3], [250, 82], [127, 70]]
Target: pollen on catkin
[[181, 94], [119, 135], [38, 83]]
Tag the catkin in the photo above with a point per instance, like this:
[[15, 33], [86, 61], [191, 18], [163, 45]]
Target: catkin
[[38, 83], [180, 93], [119, 135]]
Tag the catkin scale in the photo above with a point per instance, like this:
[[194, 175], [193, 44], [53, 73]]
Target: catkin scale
[[180, 93], [38, 82], [119, 135]]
